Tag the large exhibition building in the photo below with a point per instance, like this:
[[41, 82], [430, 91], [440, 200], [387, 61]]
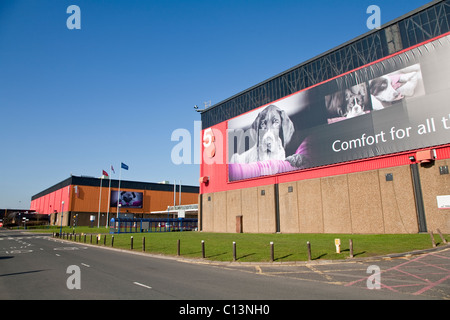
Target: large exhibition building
[[82, 200], [355, 140]]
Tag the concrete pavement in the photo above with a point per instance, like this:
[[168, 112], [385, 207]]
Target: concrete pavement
[[36, 267]]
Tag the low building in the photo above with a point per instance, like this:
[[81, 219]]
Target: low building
[[81, 200]]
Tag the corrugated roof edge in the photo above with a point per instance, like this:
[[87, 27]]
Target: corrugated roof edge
[[390, 23], [124, 184]]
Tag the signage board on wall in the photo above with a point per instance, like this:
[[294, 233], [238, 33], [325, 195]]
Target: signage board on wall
[[128, 199], [443, 202], [394, 105]]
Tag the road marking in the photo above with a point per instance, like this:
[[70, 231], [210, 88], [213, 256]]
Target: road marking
[[58, 255], [142, 285], [86, 265], [69, 248], [17, 251]]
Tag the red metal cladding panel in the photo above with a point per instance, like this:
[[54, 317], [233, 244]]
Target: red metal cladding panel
[[52, 202]]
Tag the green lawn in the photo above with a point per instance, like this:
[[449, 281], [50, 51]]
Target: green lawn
[[256, 247]]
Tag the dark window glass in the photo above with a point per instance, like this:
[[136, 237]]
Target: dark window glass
[[422, 26]]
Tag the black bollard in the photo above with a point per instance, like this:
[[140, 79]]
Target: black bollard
[[308, 245], [272, 253]]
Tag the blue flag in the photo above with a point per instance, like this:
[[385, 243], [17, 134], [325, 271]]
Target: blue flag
[[124, 166]]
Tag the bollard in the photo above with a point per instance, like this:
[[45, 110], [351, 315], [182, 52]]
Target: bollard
[[131, 244], [85, 238], [104, 240], [178, 247], [143, 244], [91, 238], [112, 241], [337, 243], [234, 251], [308, 245], [351, 248], [442, 237], [272, 253], [203, 249], [432, 239]]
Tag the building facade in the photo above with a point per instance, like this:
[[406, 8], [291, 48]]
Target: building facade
[[79, 200], [356, 140]]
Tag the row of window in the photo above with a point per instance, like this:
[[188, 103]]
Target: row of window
[[426, 24]]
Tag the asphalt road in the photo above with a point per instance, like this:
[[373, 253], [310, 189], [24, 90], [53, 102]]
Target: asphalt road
[[41, 268]]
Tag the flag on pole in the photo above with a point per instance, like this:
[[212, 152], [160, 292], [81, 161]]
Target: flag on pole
[[105, 173], [124, 166], [112, 169]]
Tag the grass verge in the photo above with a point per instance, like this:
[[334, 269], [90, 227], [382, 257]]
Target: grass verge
[[256, 247]]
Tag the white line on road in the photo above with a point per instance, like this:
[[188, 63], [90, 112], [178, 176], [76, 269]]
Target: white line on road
[[86, 265], [142, 285]]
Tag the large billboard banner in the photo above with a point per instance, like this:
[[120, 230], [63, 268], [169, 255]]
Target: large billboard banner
[[128, 199], [400, 103]]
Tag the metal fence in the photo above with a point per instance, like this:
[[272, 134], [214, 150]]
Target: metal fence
[[128, 225]]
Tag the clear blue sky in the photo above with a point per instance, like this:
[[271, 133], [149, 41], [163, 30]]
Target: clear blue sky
[[77, 101]]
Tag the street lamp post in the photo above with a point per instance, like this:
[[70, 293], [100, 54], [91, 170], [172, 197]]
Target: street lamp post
[[62, 214]]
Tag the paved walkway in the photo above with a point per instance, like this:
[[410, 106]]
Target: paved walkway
[[424, 275]]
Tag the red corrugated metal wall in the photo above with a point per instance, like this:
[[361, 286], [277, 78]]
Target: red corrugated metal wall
[[52, 202]]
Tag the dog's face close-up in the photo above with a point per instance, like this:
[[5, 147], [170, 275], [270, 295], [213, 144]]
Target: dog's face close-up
[[348, 103], [354, 102], [127, 196], [273, 130], [382, 89]]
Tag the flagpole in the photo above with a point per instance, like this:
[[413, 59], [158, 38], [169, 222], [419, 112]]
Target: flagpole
[[109, 199], [118, 194], [174, 192], [100, 201]]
